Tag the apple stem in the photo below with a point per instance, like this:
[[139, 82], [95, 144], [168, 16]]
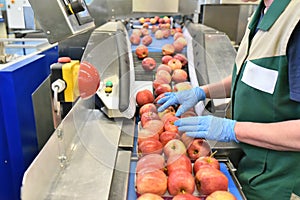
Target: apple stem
[[213, 153]]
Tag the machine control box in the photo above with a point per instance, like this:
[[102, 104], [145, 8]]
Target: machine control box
[[66, 20]]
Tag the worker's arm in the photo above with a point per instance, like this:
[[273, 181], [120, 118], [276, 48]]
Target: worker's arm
[[218, 90], [283, 136]]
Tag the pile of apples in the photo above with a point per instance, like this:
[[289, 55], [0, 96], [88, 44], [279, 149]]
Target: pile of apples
[[171, 164], [160, 29], [170, 73]]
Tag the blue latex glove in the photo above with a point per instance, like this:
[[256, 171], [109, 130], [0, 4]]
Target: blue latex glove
[[187, 99], [208, 127]]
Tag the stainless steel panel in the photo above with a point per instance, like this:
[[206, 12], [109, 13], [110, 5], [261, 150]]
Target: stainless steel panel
[[213, 53], [79, 159], [119, 187], [228, 18], [127, 134], [166, 6]]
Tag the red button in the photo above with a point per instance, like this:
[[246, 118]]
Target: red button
[[64, 59]]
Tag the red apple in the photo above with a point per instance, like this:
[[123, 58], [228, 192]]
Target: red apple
[[154, 28], [156, 83], [159, 34], [150, 146], [147, 19], [166, 59], [178, 46], [145, 31], [198, 148], [185, 197], [181, 182], [143, 97], [175, 64], [220, 195], [145, 134], [168, 49], [166, 33], [164, 67], [155, 125], [178, 29], [206, 160], [161, 20], [163, 88], [179, 75], [209, 180], [145, 25], [183, 59], [179, 162], [142, 20], [162, 114], [150, 162], [163, 75], [153, 21], [182, 41], [182, 86], [147, 40], [178, 35], [149, 107], [161, 26], [137, 31], [169, 124], [148, 64], [141, 51], [149, 116], [166, 136], [168, 26], [154, 182], [135, 39], [174, 147], [166, 19], [166, 115], [150, 196]]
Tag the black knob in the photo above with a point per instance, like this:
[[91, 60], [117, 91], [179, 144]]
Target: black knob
[[77, 6]]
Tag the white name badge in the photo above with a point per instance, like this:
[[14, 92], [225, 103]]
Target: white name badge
[[260, 78]]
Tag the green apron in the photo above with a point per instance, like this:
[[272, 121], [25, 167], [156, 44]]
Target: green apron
[[267, 174]]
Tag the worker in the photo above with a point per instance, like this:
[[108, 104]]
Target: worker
[[265, 97]]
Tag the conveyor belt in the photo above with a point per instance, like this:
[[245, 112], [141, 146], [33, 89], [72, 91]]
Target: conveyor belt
[[155, 52]]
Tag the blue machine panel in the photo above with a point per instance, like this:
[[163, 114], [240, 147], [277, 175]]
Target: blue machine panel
[[18, 139]]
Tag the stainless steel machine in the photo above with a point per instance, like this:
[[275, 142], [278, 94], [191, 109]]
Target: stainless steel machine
[[92, 153], [228, 16]]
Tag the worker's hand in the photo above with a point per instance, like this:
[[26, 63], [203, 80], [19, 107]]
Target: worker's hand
[[208, 127], [187, 99]]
